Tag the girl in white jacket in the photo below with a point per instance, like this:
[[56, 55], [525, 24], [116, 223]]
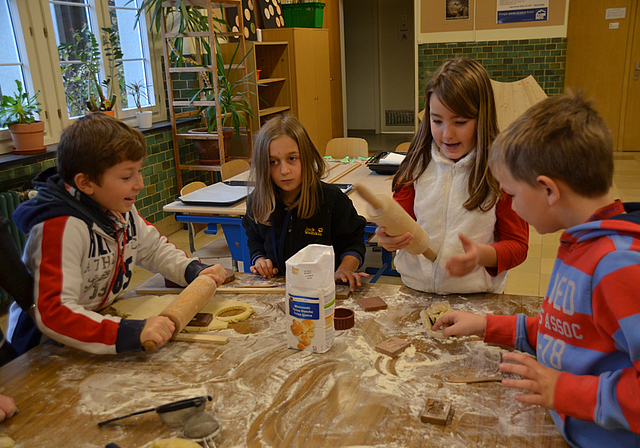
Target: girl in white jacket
[[445, 184]]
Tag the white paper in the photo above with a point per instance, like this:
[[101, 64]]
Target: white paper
[[615, 13], [392, 158]]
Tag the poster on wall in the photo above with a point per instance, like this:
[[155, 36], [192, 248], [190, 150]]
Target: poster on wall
[[514, 11], [457, 9]]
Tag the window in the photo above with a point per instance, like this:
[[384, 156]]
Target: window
[[49, 47], [11, 66], [136, 64]]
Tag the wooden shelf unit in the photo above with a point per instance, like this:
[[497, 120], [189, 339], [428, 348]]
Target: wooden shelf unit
[[272, 95], [310, 79], [201, 70]]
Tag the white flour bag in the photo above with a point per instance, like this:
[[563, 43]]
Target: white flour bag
[[311, 298]]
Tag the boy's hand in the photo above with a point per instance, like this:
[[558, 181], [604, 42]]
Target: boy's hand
[[348, 276], [460, 265], [459, 323], [216, 272], [264, 267], [392, 243], [158, 329], [7, 407], [538, 379]]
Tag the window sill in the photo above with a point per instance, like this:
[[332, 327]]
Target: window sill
[[10, 160]]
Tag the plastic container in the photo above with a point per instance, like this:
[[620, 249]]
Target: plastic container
[[303, 15], [343, 319]]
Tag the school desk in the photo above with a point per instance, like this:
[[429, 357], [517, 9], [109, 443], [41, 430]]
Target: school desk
[[230, 216], [268, 395]]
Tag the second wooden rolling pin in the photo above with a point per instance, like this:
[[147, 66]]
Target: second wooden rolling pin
[[187, 305], [387, 213]]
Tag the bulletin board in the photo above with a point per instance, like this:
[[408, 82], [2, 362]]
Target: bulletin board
[[482, 16]]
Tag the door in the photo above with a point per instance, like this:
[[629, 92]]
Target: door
[[597, 49], [631, 129]]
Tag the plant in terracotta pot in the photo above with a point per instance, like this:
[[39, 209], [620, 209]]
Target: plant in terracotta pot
[[233, 102], [18, 112], [138, 90]]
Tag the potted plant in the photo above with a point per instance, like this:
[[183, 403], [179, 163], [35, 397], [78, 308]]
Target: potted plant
[[17, 112], [138, 90], [85, 49]]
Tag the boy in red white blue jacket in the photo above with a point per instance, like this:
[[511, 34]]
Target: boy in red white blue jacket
[[556, 162], [85, 237]]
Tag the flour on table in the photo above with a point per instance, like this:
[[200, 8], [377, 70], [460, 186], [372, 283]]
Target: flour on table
[[144, 307]]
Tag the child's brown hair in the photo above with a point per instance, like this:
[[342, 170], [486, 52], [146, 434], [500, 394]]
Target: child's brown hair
[[463, 86], [95, 143], [264, 193], [562, 137]]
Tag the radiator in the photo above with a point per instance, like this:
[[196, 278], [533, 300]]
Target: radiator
[[399, 117], [8, 202]]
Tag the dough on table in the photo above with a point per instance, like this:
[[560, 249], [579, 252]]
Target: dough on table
[[144, 307], [6, 441], [174, 442], [432, 314]]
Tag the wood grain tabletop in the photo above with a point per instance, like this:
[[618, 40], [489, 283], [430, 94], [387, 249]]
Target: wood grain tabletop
[[268, 395]]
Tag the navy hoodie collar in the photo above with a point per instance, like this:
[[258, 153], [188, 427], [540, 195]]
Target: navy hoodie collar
[[54, 200]]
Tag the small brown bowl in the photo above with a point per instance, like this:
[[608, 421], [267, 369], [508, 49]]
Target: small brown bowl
[[343, 319]]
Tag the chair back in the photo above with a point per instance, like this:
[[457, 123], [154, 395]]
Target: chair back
[[403, 147], [233, 168], [342, 147], [513, 98], [191, 187]]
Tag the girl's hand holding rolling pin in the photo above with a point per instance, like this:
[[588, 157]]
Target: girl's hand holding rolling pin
[[392, 243]]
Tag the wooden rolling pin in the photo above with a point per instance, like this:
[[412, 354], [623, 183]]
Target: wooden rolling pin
[[187, 305], [387, 213]]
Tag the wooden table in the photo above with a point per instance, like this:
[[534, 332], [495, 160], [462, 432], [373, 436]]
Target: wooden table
[[267, 395]]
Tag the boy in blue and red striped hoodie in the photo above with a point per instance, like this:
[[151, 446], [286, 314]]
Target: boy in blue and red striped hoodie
[[556, 161]]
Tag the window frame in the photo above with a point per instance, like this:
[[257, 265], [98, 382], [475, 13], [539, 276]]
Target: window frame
[[38, 49]]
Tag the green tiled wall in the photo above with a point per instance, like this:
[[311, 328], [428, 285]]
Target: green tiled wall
[[159, 173], [19, 177], [505, 60]]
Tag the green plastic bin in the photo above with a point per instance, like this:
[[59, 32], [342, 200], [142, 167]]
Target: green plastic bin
[[303, 15]]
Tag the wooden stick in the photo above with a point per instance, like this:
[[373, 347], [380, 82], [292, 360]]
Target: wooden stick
[[198, 337], [471, 379], [250, 290], [354, 167]]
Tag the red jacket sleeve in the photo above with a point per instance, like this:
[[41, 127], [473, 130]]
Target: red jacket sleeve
[[512, 238], [405, 197]]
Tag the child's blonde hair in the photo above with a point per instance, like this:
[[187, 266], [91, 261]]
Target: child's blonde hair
[[263, 196], [463, 86], [562, 137]]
